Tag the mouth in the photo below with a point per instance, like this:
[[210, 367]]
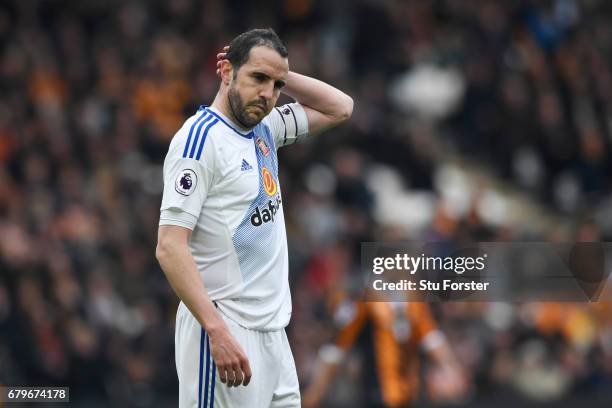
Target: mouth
[[260, 107]]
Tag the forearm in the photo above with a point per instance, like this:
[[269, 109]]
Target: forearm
[[319, 96], [180, 269], [452, 380], [323, 378], [443, 356]]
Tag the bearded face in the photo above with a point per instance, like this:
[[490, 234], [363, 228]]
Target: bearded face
[[256, 85], [248, 114]]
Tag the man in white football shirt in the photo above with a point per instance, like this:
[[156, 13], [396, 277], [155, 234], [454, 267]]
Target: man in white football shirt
[[222, 241]]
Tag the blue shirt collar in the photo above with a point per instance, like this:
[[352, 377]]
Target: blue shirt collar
[[227, 122]]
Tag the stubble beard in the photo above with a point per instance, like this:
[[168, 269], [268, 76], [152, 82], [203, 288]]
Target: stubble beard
[[238, 108]]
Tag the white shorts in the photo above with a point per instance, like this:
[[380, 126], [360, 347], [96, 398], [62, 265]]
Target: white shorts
[[274, 382]]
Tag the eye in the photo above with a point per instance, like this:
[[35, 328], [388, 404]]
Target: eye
[[279, 84], [259, 77]]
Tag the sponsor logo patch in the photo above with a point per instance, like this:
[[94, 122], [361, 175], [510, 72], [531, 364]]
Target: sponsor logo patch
[[269, 183], [266, 214], [186, 182]]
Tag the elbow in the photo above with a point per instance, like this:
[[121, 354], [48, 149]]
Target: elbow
[[172, 243], [347, 109], [342, 109], [161, 251]]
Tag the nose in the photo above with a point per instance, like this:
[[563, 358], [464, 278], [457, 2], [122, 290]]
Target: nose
[[266, 92]]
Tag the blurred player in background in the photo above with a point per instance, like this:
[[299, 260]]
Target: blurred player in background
[[222, 241], [394, 334]]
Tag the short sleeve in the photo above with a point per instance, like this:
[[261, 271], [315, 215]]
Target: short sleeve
[[187, 183], [288, 123]]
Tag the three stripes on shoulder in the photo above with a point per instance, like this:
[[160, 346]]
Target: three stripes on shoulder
[[204, 119]]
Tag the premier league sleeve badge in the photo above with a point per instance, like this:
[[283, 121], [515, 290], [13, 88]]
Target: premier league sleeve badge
[[186, 182]]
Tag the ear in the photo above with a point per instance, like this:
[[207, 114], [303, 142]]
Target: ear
[[227, 72]]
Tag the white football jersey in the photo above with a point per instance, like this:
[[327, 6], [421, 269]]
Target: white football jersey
[[223, 184]]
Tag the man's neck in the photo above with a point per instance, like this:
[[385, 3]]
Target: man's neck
[[221, 103]]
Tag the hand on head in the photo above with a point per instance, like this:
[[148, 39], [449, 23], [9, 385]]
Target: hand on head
[[220, 58]]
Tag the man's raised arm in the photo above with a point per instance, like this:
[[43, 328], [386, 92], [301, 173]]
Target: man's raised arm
[[325, 105]]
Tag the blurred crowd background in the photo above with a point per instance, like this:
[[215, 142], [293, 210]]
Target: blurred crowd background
[[474, 120]]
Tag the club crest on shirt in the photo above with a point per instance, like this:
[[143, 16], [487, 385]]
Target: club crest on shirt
[[265, 150], [269, 183], [186, 182]]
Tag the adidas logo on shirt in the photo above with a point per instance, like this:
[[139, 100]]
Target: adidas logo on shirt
[[245, 166]]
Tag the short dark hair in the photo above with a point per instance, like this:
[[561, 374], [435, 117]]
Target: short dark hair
[[241, 46]]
